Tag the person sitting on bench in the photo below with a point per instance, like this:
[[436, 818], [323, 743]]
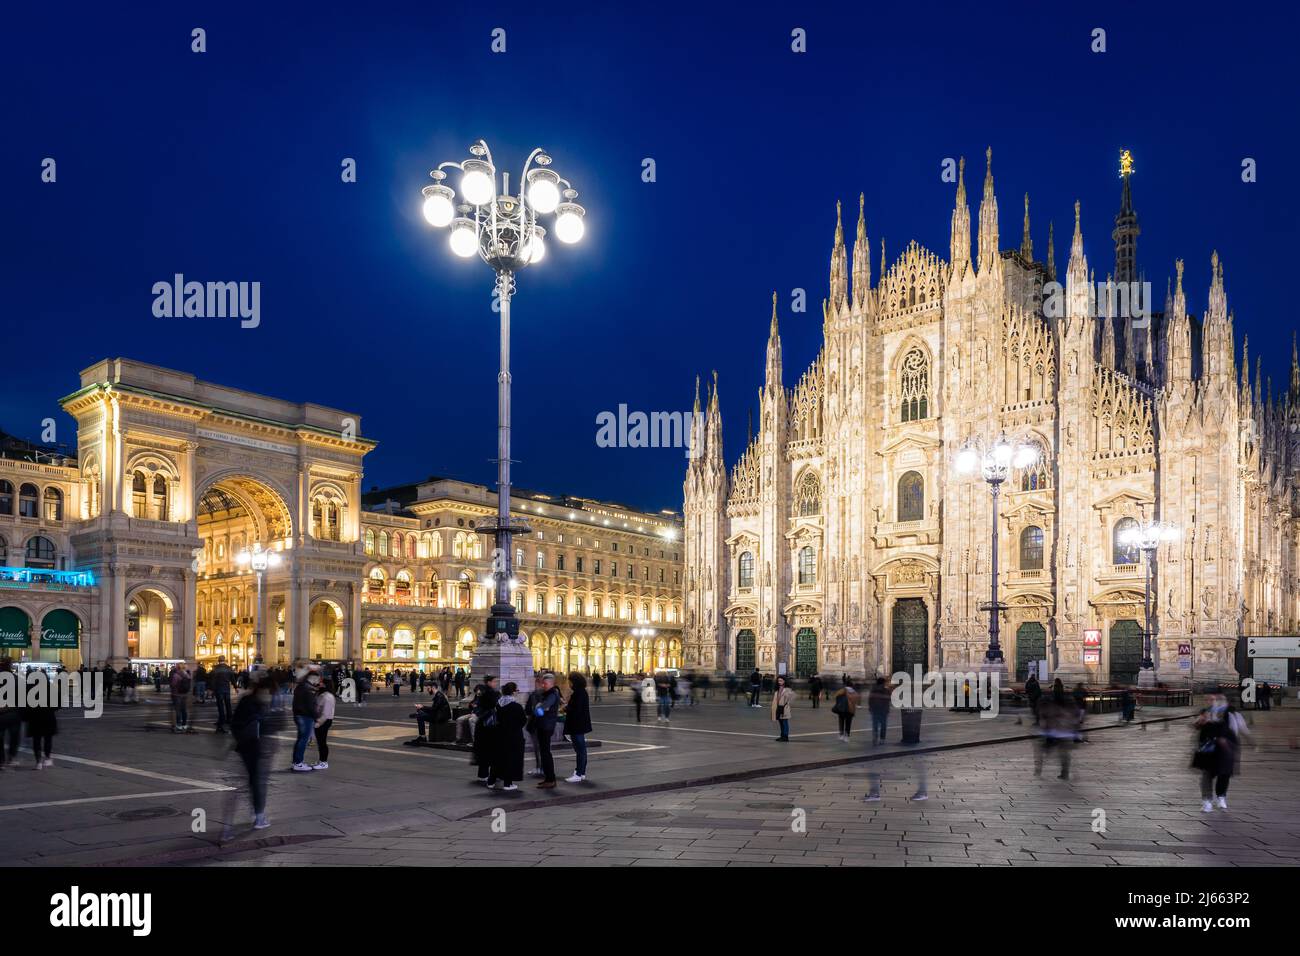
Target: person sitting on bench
[[437, 711]]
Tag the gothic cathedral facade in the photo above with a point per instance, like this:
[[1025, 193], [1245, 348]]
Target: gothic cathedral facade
[[843, 540]]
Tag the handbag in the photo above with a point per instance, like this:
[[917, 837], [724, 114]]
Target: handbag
[[841, 705], [780, 712]]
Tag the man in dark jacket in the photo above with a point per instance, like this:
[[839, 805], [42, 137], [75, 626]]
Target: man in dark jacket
[[486, 738], [545, 714], [254, 745], [460, 682], [437, 711], [755, 685], [1034, 691], [220, 680], [304, 715]]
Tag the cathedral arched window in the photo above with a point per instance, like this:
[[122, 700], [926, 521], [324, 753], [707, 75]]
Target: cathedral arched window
[[808, 494], [1037, 476], [1123, 552], [807, 565], [747, 570], [160, 512], [139, 496], [911, 497], [370, 541], [914, 386], [1031, 549]]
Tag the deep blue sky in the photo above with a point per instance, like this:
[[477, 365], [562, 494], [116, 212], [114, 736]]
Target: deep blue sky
[[225, 166]]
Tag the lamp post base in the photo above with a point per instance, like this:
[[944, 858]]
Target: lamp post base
[[507, 660], [1147, 678]]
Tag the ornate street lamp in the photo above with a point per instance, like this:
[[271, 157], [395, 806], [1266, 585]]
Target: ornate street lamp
[[503, 229], [259, 559], [994, 463], [1147, 536]]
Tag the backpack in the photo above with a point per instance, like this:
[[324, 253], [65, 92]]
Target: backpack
[[183, 686]]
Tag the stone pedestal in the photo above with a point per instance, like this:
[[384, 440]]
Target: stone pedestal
[[1147, 678], [507, 660]]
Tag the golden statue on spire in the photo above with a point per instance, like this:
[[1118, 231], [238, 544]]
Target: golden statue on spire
[[1125, 163]]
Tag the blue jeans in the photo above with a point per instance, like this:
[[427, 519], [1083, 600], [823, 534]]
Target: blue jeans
[[200, 690], [182, 711], [580, 752], [223, 708], [305, 726], [785, 728], [878, 722], [665, 707]]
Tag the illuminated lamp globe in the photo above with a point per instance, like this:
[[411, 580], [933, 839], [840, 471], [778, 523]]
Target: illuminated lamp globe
[[476, 184], [535, 248], [543, 190], [1026, 455], [569, 226], [967, 460], [439, 210], [464, 238]]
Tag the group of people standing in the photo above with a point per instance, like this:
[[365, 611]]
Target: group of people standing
[[502, 722]]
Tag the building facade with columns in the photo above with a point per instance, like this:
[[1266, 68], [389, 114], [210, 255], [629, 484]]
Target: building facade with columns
[[129, 548], [844, 540]]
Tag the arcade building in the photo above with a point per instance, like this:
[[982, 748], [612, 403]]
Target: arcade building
[[132, 548]]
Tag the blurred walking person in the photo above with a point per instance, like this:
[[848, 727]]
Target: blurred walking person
[[1220, 730], [254, 744], [220, 679], [755, 685], [304, 717], [182, 686], [815, 688], [42, 724], [1058, 727], [844, 707], [324, 721], [878, 703]]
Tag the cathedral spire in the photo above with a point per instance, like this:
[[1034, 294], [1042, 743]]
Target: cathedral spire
[[1126, 225], [1177, 332], [1077, 297], [839, 262], [988, 231], [1051, 253], [1026, 244], [861, 256], [959, 244], [1244, 397], [774, 352], [1294, 394]]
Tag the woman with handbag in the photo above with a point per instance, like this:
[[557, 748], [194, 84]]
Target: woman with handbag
[[782, 702], [845, 706], [507, 729]]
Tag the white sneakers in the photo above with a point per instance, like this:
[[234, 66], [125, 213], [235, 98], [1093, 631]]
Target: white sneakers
[[322, 765], [510, 788], [301, 768], [1223, 803], [576, 778], [536, 772], [1207, 806], [260, 822]]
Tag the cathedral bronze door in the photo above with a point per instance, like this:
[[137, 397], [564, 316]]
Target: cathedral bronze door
[[805, 652], [1125, 652], [911, 644], [744, 653], [1031, 645]]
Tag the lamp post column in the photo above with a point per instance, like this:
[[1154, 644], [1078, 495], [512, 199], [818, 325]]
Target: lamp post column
[[994, 653], [504, 538], [1147, 669]]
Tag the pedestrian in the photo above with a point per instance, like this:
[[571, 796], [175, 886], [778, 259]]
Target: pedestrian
[[595, 684], [220, 679], [815, 690], [545, 713], [11, 718], [304, 716], [507, 740], [200, 684], [782, 704], [663, 697], [879, 705], [182, 688], [845, 706], [755, 685], [613, 680], [484, 729], [157, 679], [396, 677], [363, 686], [253, 745], [577, 724], [1220, 733], [324, 721], [460, 683], [1127, 705], [1058, 728], [412, 680], [1033, 691], [1080, 697], [39, 713], [109, 679], [637, 700]]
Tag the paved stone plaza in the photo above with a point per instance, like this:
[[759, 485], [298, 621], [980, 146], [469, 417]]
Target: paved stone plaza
[[711, 788]]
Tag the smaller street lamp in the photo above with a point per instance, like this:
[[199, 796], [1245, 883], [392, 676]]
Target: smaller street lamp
[[260, 560], [1147, 536], [994, 464]]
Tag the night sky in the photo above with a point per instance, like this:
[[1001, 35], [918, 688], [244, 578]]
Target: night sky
[[225, 166]]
